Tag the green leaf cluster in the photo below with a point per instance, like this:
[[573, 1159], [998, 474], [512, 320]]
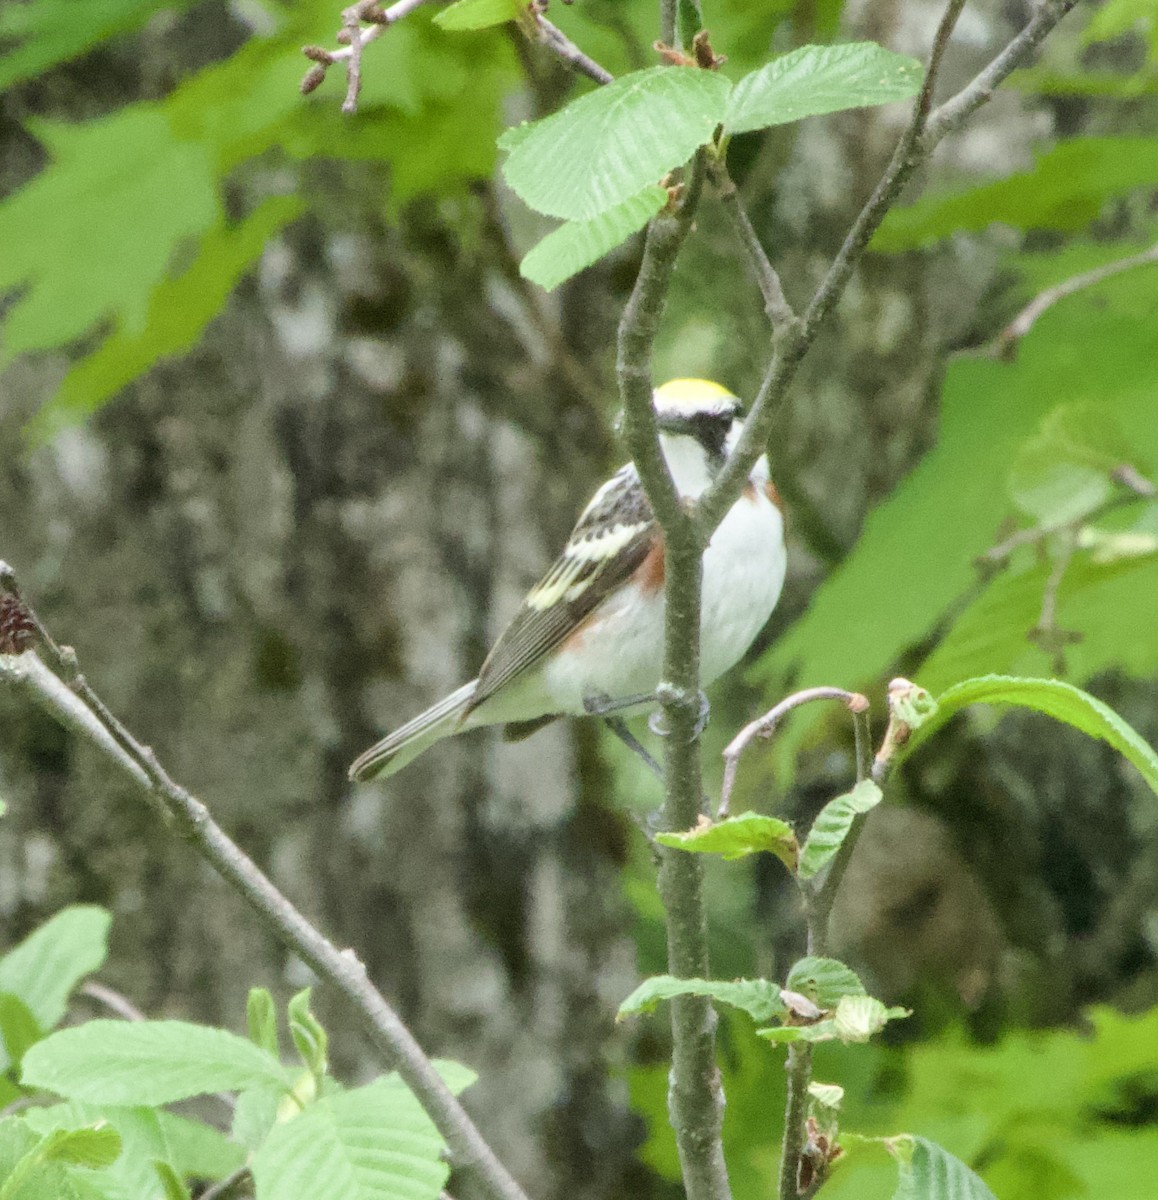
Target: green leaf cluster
[[1032, 442], [110, 1136], [137, 290], [596, 163]]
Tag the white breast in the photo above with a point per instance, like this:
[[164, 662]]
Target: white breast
[[620, 652]]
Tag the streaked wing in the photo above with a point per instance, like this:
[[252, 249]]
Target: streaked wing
[[611, 539]]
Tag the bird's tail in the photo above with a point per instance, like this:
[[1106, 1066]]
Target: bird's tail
[[408, 741]]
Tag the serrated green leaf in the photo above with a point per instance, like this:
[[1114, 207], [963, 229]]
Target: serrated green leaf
[[147, 1134], [44, 968], [757, 997], [477, 14], [855, 1019], [577, 244], [832, 825], [1056, 699], [146, 1062], [735, 837], [820, 79], [261, 1019], [370, 1143], [610, 144], [1065, 470], [929, 1172], [826, 981]]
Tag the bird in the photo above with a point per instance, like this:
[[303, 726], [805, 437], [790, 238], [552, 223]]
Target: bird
[[588, 638]]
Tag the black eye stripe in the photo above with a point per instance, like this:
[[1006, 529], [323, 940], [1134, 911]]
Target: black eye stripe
[[710, 429]]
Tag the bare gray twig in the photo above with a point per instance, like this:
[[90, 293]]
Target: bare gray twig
[[67, 696], [1005, 344], [765, 726], [555, 39], [775, 303], [221, 1189]]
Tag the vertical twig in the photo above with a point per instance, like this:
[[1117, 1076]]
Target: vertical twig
[[695, 1098]]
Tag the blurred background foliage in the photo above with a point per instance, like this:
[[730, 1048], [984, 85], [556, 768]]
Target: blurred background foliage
[[283, 437]]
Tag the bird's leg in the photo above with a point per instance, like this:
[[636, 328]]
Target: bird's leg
[[618, 726], [603, 706], [600, 704]]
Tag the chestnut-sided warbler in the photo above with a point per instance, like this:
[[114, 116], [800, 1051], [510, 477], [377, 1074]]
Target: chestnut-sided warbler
[[589, 635]]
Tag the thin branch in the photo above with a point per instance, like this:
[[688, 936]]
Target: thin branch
[[1005, 344], [668, 27], [798, 1072], [818, 896], [555, 39], [764, 727], [113, 1001], [362, 23], [79, 708], [775, 303], [695, 1096], [958, 109], [791, 342], [223, 1187]]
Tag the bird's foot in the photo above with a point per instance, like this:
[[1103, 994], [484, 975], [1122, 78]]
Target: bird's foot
[[666, 694]]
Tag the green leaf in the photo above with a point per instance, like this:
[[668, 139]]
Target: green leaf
[[735, 837], [1066, 189], [254, 1115], [1065, 470], [905, 579], [44, 968], [189, 1147], [261, 1018], [173, 1184], [477, 14], [928, 1172], [178, 309], [53, 31], [832, 825], [825, 981], [1056, 699], [757, 997], [309, 1037], [820, 79], [19, 1028], [370, 1143], [146, 1062], [610, 144], [856, 1019], [571, 247], [67, 243], [94, 1146]]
